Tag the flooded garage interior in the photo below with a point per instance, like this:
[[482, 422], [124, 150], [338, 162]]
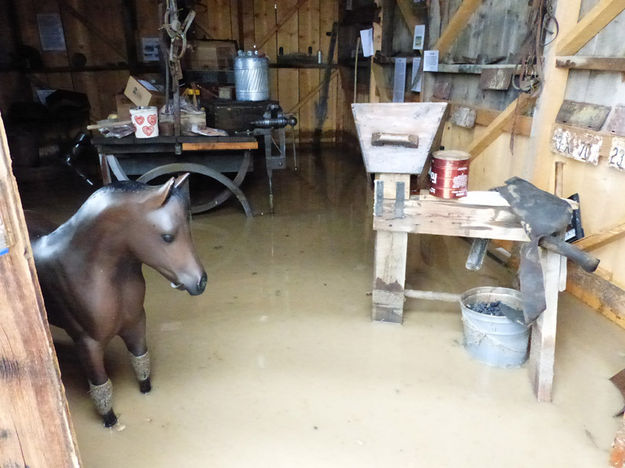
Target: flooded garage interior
[[278, 363]]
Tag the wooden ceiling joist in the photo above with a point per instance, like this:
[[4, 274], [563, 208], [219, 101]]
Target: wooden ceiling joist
[[455, 25], [592, 22]]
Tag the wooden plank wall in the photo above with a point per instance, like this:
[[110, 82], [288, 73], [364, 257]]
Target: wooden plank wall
[[496, 29], [598, 186], [246, 21], [305, 29]]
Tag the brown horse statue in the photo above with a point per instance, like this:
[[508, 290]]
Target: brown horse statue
[[89, 269]]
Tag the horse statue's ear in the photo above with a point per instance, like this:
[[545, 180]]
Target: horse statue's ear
[[181, 180], [162, 195]]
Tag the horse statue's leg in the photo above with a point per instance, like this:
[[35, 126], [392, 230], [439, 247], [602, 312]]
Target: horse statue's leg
[[91, 354], [135, 340]]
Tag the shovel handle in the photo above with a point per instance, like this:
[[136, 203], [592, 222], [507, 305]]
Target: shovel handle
[[583, 259]]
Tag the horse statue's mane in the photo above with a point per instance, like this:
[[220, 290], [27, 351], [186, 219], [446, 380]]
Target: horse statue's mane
[[131, 186]]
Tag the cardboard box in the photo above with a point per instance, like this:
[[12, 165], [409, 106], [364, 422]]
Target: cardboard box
[[143, 93], [212, 55], [123, 105]]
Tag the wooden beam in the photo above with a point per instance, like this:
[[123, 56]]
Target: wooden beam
[[219, 145], [313, 92], [616, 64], [405, 6], [91, 27], [455, 25], [588, 27], [287, 16], [594, 241], [376, 77], [484, 117], [497, 126], [539, 161], [602, 295], [380, 82], [35, 426], [484, 215]]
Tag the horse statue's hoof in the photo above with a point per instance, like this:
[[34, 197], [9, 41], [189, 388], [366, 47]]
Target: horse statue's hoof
[[109, 419], [145, 385]]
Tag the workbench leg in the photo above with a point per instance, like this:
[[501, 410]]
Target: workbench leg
[[389, 276], [104, 169], [543, 342], [268, 155]]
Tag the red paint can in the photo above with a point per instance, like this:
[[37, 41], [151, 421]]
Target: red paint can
[[449, 174]]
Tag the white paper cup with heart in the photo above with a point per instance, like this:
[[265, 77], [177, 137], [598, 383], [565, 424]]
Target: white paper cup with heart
[[145, 120]]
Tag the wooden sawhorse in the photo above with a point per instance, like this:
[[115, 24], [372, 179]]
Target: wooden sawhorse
[[479, 215]]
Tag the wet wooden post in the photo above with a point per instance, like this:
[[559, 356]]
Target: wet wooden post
[[391, 248], [35, 426], [396, 139]]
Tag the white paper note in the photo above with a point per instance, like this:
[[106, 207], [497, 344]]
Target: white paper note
[[366, 39], [399, 80], [430, 61], [419, 35]]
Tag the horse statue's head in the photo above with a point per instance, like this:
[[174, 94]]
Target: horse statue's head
[[160, 234]]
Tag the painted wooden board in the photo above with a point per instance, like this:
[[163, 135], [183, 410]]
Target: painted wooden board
[[421, 119], [616, 121], [617, 154], [579, 145], [583, 114], [483, 215]]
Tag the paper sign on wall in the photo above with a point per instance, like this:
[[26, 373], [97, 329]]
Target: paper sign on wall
[[51, 32], [419, 36], [416, 75], [366, 39], [430, 61], [399, 79], [151, 47]]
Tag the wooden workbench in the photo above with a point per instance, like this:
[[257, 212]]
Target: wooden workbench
[[149, 158], [483, 215]]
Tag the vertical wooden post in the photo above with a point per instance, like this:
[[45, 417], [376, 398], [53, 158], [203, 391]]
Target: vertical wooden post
[[543, 345], [552, 94], [376, 75], [391, 248], [35, 427]]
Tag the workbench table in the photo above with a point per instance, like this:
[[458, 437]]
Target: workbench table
[[209, 156], [484, 215]]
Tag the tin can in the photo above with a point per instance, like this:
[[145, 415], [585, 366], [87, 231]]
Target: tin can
[[449, 174], [145, 120], [251, 76]]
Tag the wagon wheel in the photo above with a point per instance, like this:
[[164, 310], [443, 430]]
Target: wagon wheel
[[193, 168]]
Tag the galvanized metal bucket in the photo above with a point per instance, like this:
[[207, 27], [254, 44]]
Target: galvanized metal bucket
[[251, 76], [494, 340]]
